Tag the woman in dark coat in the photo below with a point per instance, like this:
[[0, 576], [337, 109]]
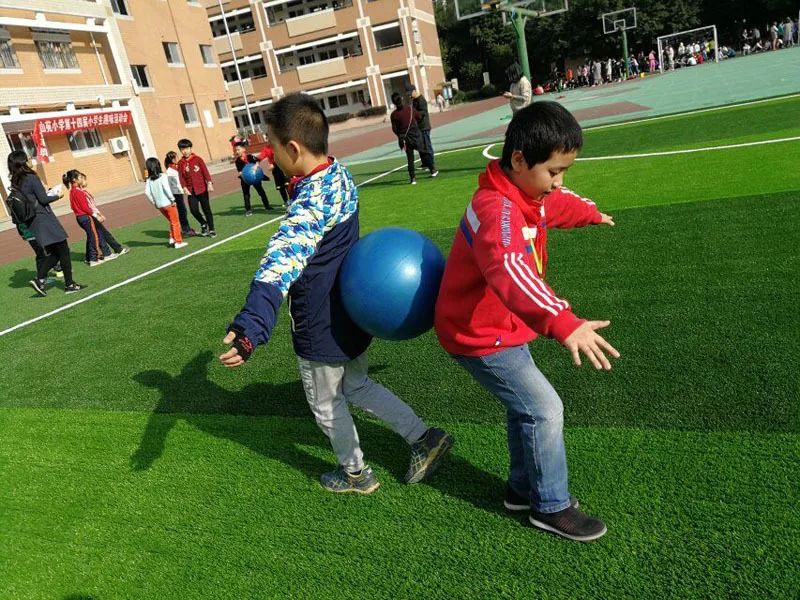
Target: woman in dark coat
[[406, 127], [45, 226]]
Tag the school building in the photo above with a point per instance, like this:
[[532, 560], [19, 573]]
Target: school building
[[349, 54], [100, 85]]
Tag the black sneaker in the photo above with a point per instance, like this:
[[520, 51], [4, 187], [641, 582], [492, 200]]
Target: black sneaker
[[74, 287], [569, 523], [516, 503], [212, 233], [39, 285], [204, 230]]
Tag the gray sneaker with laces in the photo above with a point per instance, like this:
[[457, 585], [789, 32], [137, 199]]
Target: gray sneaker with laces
[[427, 454], [342, 482]]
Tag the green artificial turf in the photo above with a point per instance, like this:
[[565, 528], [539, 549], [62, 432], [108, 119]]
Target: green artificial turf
[[132, 465]]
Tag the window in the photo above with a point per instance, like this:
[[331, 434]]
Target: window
[[189, 111], [359, 97], [337, 101], [56, 55], [120, 7], [22, 141], [252, 69], [222, 109], [141, 75], [172, 53], [387, 37], [241, 23], [84, 140], [207, 53], [8, 58]]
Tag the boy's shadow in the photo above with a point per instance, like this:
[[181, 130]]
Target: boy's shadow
[[21, 278], [153, 233], [191, 396]]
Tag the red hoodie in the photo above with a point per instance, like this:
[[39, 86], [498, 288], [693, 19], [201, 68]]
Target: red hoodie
[[80, 203], [194, 174], [493, 294]]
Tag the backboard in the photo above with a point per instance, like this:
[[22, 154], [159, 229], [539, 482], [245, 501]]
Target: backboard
[[469, 9], [619, 20]]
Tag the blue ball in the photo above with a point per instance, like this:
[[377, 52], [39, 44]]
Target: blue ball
[[389, 283], [252, 174]]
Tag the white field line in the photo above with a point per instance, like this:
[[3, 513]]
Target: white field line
[[490, 156], [691, 112], [104, 291], [486, 153]]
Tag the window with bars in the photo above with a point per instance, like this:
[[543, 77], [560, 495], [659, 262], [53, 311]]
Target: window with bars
[[141, 75], [222, 109], [56, 55], [172, 52], [84, 140], [22, 141], [8, 58], [189, 112], [207, 52]]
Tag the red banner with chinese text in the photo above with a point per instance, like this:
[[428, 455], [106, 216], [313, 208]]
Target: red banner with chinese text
[[69, 123]]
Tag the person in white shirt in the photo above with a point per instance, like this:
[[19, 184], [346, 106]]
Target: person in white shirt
[[520, 93], [170, 167], [158, 191]]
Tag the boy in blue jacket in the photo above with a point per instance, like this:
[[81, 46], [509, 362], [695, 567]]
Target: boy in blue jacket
[[302, 261]]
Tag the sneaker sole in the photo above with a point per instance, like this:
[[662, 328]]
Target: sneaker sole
[[39, 290], [73, 291], [569, 536], [363, 492], [436, 456]]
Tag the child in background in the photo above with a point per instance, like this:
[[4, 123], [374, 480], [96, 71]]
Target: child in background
[[302, 261], [494, 300], [158, 191], [107, 241], [170, 168], [242, 160], [278, 176], [85, 214], [196, 182]]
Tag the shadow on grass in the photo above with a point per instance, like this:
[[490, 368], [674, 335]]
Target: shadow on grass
[[190, 396]]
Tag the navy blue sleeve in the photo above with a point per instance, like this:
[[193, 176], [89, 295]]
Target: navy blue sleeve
[[260, 311], [33, 185]]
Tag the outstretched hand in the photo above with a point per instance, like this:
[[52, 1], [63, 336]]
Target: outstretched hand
[[606, 219], [584, 340]]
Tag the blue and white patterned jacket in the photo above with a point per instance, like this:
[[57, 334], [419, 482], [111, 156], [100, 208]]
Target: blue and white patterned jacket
[[302, 261]]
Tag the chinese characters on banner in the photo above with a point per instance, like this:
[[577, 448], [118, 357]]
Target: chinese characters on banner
[[68, 124]]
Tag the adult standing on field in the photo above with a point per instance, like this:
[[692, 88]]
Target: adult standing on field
[[44, 226], [420, 105]]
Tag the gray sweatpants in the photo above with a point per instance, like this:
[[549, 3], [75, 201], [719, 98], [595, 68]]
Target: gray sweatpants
[[330, 386]]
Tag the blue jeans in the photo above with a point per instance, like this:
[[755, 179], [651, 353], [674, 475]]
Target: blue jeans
[[535, 424]]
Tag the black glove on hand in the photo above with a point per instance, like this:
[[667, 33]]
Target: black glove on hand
[[241, 342]]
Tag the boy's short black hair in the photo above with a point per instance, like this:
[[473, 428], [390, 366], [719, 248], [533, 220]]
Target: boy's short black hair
[[239, 144], [397, 100], [540, 129], [184, 143], [299, 118]]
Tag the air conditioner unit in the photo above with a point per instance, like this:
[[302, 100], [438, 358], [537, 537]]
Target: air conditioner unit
[[118, 145]]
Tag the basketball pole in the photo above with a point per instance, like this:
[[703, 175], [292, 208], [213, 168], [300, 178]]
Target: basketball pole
[[519, 21], [625, 60]]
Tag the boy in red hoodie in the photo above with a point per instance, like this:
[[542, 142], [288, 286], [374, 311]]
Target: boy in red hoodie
[[196, 182], [494, 300]]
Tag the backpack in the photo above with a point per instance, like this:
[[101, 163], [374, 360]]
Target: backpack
[[21, 207]]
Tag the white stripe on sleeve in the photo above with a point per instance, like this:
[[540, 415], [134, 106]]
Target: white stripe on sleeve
[[535, 296], [537, 282]]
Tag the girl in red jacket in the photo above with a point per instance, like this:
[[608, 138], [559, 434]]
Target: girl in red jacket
[[85, 213], [494, 300]]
